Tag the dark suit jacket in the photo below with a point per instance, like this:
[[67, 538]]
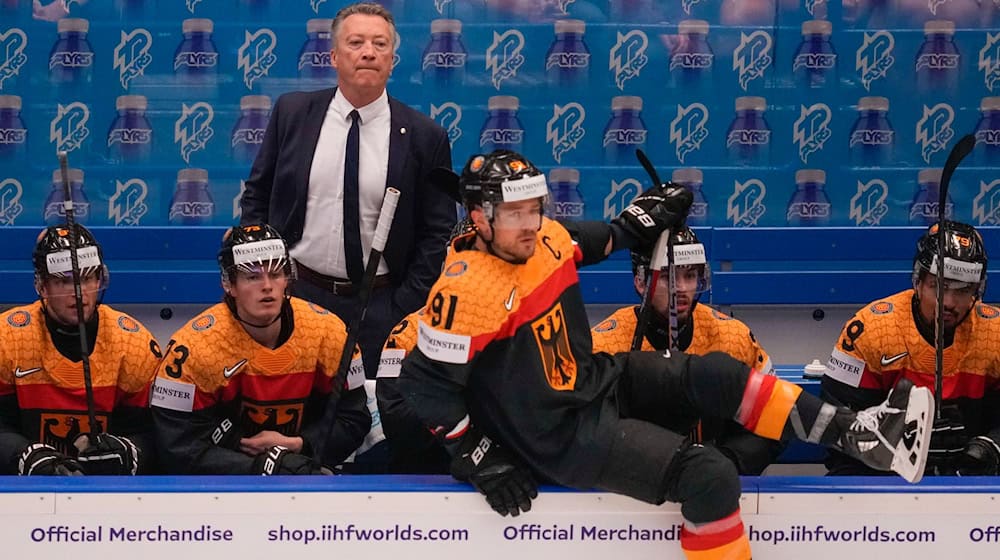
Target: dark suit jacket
[[277, 189]]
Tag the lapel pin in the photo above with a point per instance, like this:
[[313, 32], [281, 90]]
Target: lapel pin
[[402, 130]]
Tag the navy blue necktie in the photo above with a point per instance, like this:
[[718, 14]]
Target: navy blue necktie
[[352, 221]]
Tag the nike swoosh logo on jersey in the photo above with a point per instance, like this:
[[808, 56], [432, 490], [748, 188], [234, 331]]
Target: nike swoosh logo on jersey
[[509, 302], [886, 360], [229, 371], [18, 372]]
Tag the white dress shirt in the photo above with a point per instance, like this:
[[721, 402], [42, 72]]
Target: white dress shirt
[[322, 244]]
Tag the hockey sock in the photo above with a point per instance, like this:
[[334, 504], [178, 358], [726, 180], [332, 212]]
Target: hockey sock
[[724, 539], [767, 405]]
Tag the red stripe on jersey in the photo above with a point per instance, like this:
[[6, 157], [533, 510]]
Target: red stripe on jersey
[[44, 396], [757, 401], [533, 304], [138, 399], [961, 384], [265, 388], [7, 389]]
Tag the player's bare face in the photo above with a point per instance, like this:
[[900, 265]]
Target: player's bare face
[[60, 298], [687, 287], [959, 298], [362, 55], [515, 229], [259, 295]]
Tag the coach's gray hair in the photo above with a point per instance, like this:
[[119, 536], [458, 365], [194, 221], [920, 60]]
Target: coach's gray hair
[[364, 8]]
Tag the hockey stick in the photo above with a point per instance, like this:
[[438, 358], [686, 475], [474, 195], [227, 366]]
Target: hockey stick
[[664, 243], [88, 383], [961, 149], [385, 217]]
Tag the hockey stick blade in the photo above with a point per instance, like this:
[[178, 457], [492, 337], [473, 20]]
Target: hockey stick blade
[[961, 149], [74, 260]]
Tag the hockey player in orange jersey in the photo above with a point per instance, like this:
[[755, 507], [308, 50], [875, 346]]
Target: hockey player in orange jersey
[[243, 386], [893, 338], [700, 330], [44, 419], [505, 375]]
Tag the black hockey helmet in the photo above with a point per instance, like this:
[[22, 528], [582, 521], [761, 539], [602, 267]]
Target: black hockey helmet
[[51, 256], [254, 248], [688, 251], [964, 255], [490, 179]]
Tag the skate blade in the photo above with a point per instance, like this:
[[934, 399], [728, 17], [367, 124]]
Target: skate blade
[[909, 463]]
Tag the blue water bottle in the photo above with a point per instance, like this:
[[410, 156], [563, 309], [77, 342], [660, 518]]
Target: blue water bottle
[[872, 136], [815, 62], [54, 211], [938, 60], [809, 206], [444, 57], [692, 178], [314, 56], [691, 61], [130, 138], [248, 133], [13, 133], [625, 131], [72, 58], [567, 62], [987, 151], [924, 208], [502, 129], [567, 202], [196, 58], [192, 204], [748, 139]]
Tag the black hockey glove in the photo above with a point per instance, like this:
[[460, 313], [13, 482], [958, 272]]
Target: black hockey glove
[[981, 457], [281, 460], [654, 211], [41, 459], [507, 485], [948, 441], [108, 454]]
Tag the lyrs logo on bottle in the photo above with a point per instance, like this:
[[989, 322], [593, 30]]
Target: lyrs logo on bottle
[[12, 57], [868, 205], [625, 130], [693, 51], [567, 202], [567, 62], [752, 56], [69, 128], [314, 56], [248, 133], [256, 55], [503, 56], [934, 129], [812, 129], [621, 195], [809, 205], [746, 205], [191, 204], [443, 51], [13, 133], [132, 55], [628, 56], [193, 129], [10, 201], [924, 208], [874, 57], [71, 57], [985, 206], [565, 129], [502, 129], [989, 61], [196, 55], [689, 129], [128, 204], [449, 116]]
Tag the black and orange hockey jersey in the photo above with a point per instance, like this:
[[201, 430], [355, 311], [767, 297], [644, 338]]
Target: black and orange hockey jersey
[[515, 340], [711, 331], [881, 344], [216, 385], [42, 393]]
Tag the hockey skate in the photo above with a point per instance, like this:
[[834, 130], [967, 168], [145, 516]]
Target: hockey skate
[[895, 435]]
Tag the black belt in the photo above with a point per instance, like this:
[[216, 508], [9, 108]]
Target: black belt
[[339, 286]]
